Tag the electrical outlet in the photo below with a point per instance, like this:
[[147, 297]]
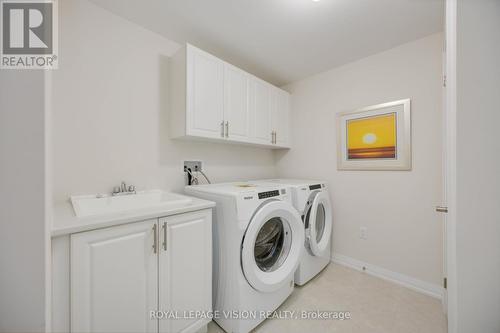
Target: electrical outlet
[[363, 232], [193, 165]]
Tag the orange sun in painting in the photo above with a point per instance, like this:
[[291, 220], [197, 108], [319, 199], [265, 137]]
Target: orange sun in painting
[[372, 137]]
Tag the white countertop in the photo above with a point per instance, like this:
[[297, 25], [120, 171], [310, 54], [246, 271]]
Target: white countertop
[[65, 221]]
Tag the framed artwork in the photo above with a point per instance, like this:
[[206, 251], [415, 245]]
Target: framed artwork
[[377, 137]]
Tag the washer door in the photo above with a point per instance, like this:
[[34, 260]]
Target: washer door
[[272, 246], [319, 224]]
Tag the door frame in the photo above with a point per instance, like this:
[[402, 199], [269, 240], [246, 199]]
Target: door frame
[[450, 167]]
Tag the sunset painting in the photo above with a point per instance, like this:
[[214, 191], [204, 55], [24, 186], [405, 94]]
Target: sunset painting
[[372, 137], [376, 137]]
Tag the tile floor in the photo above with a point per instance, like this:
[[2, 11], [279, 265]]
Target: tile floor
[[376, 306]]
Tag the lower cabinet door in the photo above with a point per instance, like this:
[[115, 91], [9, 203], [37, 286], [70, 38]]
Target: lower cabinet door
[[185, 278], [114, 275]]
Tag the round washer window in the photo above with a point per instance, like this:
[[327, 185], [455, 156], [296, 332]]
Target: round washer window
[[320, 222], [272, 244]]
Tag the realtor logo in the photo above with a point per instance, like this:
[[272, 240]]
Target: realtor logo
[[29, 39]]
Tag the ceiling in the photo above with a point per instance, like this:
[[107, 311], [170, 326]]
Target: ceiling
[[283, 41]]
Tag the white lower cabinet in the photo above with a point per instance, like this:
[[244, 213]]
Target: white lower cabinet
[[185, 271], [120, 275], [114, 279]]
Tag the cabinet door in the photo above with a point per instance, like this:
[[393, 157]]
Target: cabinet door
[[281, 117], [274, 113], [236, 103], [114, 282], [260, 111], [204, 94], [185, 263]]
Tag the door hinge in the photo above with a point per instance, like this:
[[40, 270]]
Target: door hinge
[[444, 81], [445, 283]]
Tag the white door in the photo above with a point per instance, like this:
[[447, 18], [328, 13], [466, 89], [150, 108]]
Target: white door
[[280, 117], [260, 111], [185, 262], [236, 103], [114, 279], [205, 94], [318, 224], [272, 246]]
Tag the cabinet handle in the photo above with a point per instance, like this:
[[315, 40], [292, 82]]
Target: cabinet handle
[[441, 209], [155, 239], [227, 129], [272, 136], [165, 236], [275, 135], [222, 129]]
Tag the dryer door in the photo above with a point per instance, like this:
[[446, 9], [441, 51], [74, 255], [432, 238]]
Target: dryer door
[[318, 223], [272, 246]]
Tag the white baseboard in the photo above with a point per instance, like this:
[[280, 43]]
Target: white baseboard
[[423, 287]]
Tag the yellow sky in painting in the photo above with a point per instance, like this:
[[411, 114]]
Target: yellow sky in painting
[[372, 132]]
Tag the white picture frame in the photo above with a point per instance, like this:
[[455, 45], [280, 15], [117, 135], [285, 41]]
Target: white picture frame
[[399, 159]]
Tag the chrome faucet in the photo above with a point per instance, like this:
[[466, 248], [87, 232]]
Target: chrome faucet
[[123, 189]]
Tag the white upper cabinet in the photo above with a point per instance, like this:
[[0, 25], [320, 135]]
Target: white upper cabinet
[[236, 103], [213, 100], [280, 117], [260, 110], [205, 84]]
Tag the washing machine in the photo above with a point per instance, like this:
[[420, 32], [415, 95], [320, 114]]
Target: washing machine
[[312, 201], [258, 241]]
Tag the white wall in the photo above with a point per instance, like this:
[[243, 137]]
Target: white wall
[[110, 117], [404, 232], [478, 166], [22, 201]]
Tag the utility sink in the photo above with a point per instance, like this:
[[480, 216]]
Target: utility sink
[[92, 205]]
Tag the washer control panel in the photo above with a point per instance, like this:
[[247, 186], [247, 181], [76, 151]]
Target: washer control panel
[[269, 194]]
